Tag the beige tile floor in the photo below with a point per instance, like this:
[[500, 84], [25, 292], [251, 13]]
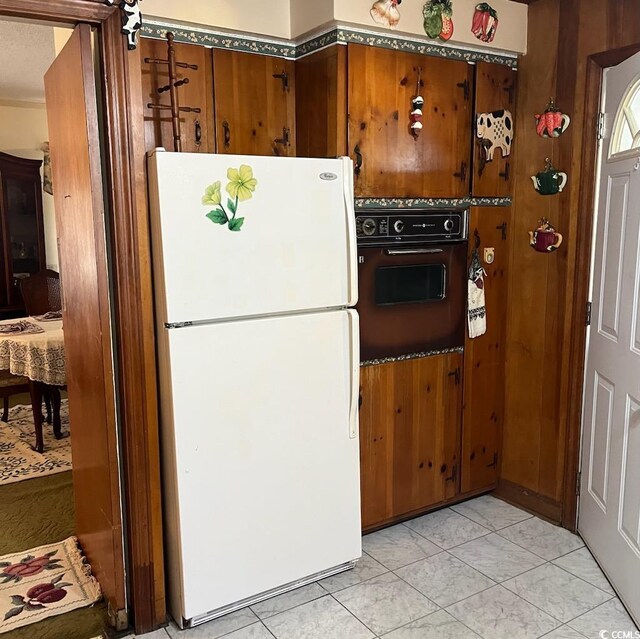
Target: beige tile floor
[[480, 569]]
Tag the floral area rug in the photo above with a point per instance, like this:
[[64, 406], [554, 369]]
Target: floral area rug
[[18, 460], [44, 582]]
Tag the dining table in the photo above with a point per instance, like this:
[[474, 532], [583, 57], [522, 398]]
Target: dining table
[[38, 354]]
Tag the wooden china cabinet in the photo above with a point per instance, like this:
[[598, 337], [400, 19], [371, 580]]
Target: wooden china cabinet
[[22, 229]]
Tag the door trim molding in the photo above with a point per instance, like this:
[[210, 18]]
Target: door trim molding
[[596, 64], [135, 358]]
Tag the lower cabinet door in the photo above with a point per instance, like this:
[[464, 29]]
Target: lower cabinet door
[[410, 418]]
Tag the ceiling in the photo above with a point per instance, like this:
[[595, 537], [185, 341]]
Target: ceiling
[[26, 52]]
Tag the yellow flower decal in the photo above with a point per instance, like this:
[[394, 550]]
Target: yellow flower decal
[[242, 184], [212, 194]]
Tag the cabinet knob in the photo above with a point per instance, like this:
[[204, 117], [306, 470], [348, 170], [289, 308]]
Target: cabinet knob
[[198, 132]]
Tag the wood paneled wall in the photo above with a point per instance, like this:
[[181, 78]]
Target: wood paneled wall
[[543, 313]]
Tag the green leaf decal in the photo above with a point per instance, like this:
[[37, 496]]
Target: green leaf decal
[[218, 216], [236, 224], [232, 206], [29, 607], [13, 612], [17, 600]]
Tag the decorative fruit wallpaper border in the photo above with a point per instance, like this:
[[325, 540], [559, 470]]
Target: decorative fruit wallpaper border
[[335, 35], [429, 203], [402, 358]]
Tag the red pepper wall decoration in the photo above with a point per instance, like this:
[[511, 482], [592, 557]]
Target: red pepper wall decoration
[[438, 22], [385, 12], [485, 22]]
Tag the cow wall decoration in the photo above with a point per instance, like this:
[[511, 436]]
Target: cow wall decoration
[[495, 130], [131, 20]]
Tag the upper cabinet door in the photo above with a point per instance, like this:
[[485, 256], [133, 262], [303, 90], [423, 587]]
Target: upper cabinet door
[[495, 91], [254, 103], [196, 128], [392, 162]]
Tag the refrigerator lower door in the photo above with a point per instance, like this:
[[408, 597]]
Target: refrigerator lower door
[[261, 455]]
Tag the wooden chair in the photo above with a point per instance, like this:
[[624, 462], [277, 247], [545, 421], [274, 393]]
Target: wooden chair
[[41, 292], [11, 385]]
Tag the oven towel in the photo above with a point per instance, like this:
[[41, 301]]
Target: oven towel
[[477, 312]]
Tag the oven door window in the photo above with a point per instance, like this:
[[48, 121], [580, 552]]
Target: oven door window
[[409, 284]]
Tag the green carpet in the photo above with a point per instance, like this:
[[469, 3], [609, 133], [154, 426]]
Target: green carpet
[[37, 512]]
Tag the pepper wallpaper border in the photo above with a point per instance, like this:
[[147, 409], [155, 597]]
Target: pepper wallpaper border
[[429, 203], [336, 35]]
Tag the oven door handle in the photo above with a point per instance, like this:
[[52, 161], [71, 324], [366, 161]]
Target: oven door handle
[[413, 251]]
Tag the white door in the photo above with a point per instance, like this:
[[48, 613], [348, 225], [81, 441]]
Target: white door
[[264, 487], [240, 236], [609, 513]]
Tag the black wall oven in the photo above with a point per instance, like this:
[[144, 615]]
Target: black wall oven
[[412, 282]]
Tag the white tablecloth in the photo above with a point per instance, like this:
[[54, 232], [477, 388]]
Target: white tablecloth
[[38, 356]]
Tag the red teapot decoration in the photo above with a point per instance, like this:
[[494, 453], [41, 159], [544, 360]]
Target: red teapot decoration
[[552, 123], [545, 239]]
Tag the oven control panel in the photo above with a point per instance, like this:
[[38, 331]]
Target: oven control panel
[[402, 226]]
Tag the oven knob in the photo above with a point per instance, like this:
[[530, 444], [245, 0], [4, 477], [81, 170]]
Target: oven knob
[[369, 226], [398, 225], [448, 225]]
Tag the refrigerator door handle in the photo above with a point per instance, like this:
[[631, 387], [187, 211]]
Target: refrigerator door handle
[[349, 200], [354, 364]]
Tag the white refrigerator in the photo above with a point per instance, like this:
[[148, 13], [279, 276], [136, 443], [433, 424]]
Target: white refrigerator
[[255, 272]]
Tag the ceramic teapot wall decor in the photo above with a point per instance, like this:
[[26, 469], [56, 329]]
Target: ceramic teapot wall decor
[[550, 181], [545, 239], [552, 123]]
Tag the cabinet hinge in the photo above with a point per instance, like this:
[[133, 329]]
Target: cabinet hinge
[[284, 78], [456, 374], [587, 319], [494, 463], [578, 482], [285, 139], [502, 227]]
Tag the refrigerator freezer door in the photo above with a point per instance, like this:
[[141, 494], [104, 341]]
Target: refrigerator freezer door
[[265, 478], [290, 246]]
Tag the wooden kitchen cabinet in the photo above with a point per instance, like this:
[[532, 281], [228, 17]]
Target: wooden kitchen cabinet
[[409, 436], [197, 132], [254, 104], [495, 89], [484, 360], [390, 161], [321, 104]]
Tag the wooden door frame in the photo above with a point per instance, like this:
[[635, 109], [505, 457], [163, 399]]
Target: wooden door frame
[[135, 358], [596, 64]]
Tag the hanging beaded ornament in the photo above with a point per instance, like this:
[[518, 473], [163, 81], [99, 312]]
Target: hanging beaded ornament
[[416, 108]]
